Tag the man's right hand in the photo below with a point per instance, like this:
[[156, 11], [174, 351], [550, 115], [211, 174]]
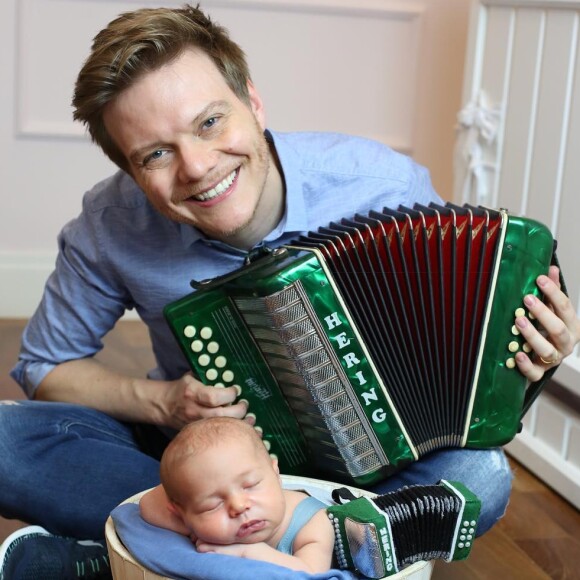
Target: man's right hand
[[186, 400], [170, 403]]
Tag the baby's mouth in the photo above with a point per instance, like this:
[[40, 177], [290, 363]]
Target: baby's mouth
[[250, 527]]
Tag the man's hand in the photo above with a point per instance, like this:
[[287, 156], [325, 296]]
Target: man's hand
[[558, 330], [170, 403], [186, 400]]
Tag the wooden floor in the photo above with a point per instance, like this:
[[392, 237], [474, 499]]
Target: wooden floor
[[538, 539]]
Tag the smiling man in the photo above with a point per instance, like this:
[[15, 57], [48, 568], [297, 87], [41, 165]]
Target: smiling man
[[198, 151], [168, 97]]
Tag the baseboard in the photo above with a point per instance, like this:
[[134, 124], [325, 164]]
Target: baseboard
[[549, 446], [23, 278]]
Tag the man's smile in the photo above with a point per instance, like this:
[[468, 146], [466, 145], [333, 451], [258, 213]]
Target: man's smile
[[219, 189]]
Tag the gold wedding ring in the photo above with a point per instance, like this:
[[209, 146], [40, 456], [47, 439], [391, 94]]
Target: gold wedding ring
[[553, 360]]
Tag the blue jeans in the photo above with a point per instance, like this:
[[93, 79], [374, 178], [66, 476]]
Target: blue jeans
[[65, 467]]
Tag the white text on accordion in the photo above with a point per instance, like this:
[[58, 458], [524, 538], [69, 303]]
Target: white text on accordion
[[351, 360]]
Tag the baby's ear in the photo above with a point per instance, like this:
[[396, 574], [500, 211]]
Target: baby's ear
[[173, 509], [275, 465]]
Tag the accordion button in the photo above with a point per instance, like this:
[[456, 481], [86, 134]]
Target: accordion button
[[515, 330], [197, 346], [238, 389], [526, 347], [206, 333], [251, 415], [510, 363], [267, 444], [274, 456], [203, 360], [513, 346], [220, 362], [211, 374], [520, 312], [258, 429], [189, 331], [219, 385], [213, 347], [228, 376]]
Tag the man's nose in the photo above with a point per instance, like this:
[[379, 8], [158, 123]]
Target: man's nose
[[196, 160]]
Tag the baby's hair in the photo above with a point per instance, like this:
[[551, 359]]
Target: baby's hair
[[200, 436]]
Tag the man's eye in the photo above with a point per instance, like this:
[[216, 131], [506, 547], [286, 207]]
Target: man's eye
[[210, 123], [155, 156]]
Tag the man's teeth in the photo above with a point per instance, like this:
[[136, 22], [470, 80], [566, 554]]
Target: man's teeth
[[219, 188]]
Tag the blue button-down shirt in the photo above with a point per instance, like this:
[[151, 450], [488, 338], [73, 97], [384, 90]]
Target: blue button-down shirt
[[122, 254]]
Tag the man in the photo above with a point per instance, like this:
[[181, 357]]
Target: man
[[169, 99]]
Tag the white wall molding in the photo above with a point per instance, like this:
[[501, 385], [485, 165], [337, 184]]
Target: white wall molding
[[23, 277], [42, 114], [547, 464], [549, 445], [535, 4], [380, 8], [363, 67]]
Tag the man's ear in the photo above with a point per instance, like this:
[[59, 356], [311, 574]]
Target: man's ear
[[257, 105]]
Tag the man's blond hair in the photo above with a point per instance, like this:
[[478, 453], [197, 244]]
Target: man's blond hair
[[143, 41]]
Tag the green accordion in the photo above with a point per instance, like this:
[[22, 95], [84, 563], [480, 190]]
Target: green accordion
[[367, 344], [382, 535]]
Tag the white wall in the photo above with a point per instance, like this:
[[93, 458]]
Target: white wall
[[390, 70]]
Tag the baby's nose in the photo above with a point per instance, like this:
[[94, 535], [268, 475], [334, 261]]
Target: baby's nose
[[238, 504]]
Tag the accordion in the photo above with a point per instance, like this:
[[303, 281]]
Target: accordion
[[367, 344]]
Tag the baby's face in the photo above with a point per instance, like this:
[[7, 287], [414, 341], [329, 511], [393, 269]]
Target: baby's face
[[234, 495]]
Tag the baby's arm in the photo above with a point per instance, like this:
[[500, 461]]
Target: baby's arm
[[313, 548], [154, 509]]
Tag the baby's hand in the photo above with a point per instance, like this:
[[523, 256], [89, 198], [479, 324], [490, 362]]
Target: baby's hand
[[229, 550]]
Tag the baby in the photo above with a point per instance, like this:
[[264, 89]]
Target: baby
[[221, 488]]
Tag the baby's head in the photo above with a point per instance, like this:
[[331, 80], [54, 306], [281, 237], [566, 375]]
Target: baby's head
[[222, 483]]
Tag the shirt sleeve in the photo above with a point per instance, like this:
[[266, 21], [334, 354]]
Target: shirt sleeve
[[81, 302]]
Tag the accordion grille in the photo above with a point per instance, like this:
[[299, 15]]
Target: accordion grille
[[296, 349]]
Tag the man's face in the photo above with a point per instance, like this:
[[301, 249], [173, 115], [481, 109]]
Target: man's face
[[233, 494], [198, 151]]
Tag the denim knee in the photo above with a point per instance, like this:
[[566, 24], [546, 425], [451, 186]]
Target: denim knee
[[493, 489], [11, 435], [65, 467]]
